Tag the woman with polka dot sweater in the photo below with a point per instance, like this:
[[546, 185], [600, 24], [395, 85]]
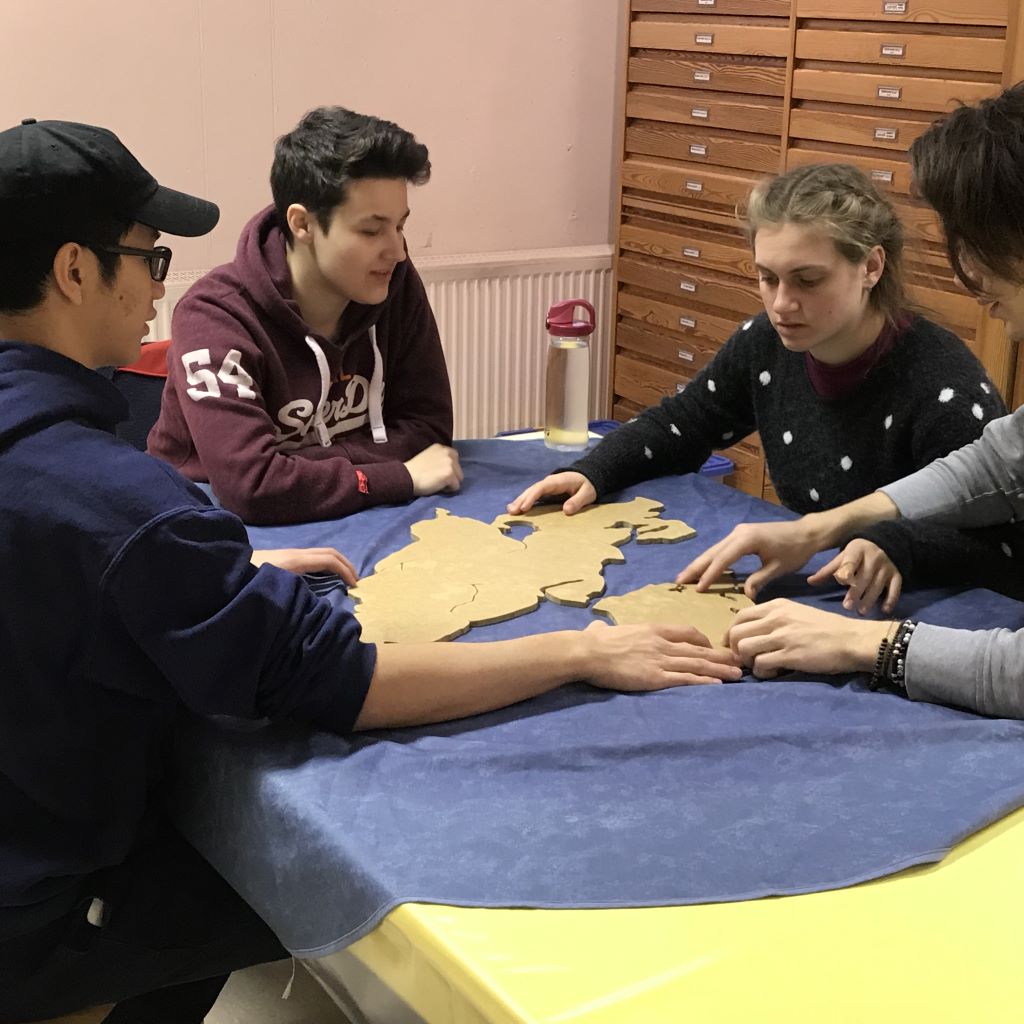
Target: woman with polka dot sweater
[[970, 167], [848, 389]]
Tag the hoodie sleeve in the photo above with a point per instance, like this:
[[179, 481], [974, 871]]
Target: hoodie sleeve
[[231, 639], [417, 391], [226, 418]]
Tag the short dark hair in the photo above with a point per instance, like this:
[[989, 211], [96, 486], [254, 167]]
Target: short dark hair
[[969, 165], [26, 259], [331, 147]]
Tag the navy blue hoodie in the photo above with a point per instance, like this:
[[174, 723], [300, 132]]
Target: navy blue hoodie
[[126, 597]]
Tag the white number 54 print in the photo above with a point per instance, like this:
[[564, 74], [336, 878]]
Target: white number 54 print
[[206, 384]]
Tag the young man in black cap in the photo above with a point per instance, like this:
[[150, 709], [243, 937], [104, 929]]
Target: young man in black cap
[[128, 599]]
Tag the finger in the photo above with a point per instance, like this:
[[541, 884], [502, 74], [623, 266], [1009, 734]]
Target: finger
[[846, 573], [766, 667], [723, 558], [528, 498], [855, 593], [699, 664], [826, 571], [893, 592], [693, 572], [683, 634], [872, 592], [576, 503], [756, 581]]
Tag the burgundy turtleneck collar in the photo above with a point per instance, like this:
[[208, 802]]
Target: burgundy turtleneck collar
[[833, 382]]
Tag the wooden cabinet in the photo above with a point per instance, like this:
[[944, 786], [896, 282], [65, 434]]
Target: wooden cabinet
[[719, 93]]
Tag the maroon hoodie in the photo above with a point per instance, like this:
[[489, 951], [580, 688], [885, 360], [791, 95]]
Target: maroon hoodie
[[286, 425]]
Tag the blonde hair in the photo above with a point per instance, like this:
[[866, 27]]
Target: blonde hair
[[842, 201]]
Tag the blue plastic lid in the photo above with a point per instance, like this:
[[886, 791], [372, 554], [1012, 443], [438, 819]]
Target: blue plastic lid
[[717, 465]]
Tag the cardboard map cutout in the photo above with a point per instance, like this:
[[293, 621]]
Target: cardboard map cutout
[[711, 612], [460, 572]]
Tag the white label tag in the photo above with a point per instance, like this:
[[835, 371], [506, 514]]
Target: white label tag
[[702, 76], [687, 357], [698, 149], [687, 321], [886, 134], [704, 38], [893, 50], [894, 7], [705, 3], [889, 92], [695, 186], [688, 286], [694, 254], [883, 176], [701, 112]]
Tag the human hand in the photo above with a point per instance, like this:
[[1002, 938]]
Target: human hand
[[648, 657], [782, 548], [868, 572], [300, 560], [436, 468], [580, 490], [784, 635]]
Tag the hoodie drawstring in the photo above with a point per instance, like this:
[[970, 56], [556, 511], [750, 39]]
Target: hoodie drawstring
[[325, 385], [380, 434]]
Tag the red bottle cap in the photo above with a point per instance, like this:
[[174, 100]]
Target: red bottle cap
[[561, 320]]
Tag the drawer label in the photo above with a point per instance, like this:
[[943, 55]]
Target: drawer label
[[689, 250], [687, 321], [701, 112], [704, 38], [894, 50], [705, 3], [695, 186], [894, 7], [883, 176], [702, 76], [687, 357], [889, 92], [698, 149], [688, 286], [886, 134]]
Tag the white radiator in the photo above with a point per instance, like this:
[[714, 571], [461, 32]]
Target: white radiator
[[490, 311]]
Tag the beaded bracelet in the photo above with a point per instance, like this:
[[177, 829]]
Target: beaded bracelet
[[879, 674], [896, 669]]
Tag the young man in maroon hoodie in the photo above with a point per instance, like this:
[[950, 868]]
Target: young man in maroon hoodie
[[306, 378]]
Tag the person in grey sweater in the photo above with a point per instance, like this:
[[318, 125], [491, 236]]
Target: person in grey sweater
[[970, 167]]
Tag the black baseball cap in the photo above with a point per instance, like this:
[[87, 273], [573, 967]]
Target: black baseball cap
[[50, 171]]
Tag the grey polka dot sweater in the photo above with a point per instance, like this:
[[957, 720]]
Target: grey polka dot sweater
[[924, 398]]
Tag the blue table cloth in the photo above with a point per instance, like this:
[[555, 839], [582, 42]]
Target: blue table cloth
[[584, 798]]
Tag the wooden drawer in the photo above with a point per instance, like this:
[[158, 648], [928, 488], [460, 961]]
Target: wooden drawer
[[949, 12], [690, 353], [687, 180], [768, 494], [693, 247], [749, 474], [887, 172], [706, 109], [883, 130], [753, 37], [761, 76], [724, 149], [681, 319], [956, 311], [921, 225], [778, 8], [647, 383], [902, 48], [898, 92], [740, 298]]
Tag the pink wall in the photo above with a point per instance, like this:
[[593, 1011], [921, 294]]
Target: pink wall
[[516, 100]]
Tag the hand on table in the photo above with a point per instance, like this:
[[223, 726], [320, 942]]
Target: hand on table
[[640, 658], [868, 572], [580, 490], [782, 548], [436, 468], [302, 560], [781, 636]]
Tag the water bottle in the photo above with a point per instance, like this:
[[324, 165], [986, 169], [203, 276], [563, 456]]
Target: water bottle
[[567, 382]]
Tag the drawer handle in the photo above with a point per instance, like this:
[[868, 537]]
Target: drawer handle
[[687, 322], [694, 254], [698, 149], [695, 186], [702, 76], [688, 286], [680, 388], [886, 134], [883, 176], [704, 38], [687, 357], [894, 7], [893, 50], [889, 92], [700, 112]]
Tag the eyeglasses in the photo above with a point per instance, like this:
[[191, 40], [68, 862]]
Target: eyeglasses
[[159, 259]]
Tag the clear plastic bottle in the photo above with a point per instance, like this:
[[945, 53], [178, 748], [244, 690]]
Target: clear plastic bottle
[[567, 381]]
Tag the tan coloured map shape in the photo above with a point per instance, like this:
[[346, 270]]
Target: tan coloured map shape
[[460, 572], [711, 612]]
